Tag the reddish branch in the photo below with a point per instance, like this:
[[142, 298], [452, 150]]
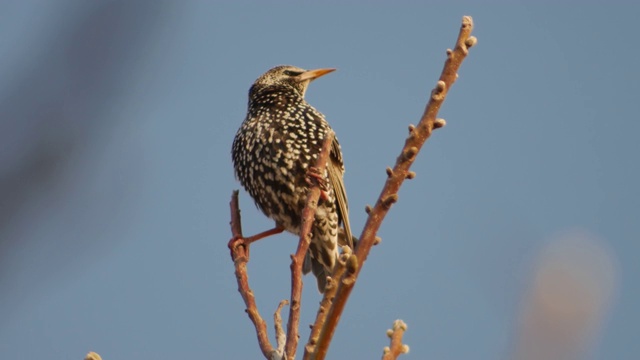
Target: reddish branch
[[397, 347], [240, 257], [308, 217], [325, 304], [396, 176]]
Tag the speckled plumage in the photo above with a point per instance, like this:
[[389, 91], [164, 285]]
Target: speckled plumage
[[272, 152]]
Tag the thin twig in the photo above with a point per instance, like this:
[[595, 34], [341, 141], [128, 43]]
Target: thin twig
[[240, 256], [389, 195], [281, 337], [308, 217], [397, 347]]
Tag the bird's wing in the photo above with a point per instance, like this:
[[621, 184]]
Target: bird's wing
[[335, 169]]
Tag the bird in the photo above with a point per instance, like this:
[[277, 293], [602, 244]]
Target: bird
[[274, 153]]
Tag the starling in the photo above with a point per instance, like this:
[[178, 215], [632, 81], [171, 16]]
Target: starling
[[274, 152]]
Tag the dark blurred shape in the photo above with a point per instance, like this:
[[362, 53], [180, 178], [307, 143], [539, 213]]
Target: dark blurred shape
[[569, 296], [55, 109]]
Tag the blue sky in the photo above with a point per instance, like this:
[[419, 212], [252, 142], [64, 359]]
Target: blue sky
[[116, 125]]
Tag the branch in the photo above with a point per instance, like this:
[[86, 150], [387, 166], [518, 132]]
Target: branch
[[327, 300], [308, 217], [240, 257], [389, 195], [397, 347]]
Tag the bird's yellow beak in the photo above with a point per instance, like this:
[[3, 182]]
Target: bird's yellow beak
[[314, 74]]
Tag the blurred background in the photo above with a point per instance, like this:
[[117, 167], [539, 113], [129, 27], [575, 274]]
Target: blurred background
[[518, 239]]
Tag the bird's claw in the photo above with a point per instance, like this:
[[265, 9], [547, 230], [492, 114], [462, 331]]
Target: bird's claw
[[236, 242], [314, 174]]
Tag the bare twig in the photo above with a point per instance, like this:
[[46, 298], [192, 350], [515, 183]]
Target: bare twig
[[389, 195], [240, 257], [308, 217], [281, 337], [397, 347]]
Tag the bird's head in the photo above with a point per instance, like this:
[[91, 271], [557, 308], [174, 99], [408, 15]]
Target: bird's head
[[289, 76]]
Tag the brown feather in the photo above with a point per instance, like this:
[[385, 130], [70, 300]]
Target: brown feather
[[335, 169]]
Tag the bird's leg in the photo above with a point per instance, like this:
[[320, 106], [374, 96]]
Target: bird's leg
[[276, 230], [246, 241], [314, 173]]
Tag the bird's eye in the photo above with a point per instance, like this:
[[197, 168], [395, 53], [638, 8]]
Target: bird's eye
[[292, 73]]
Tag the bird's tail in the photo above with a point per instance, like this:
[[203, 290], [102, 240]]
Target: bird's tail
[[318, 270], [342, 239], [320, 260]]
